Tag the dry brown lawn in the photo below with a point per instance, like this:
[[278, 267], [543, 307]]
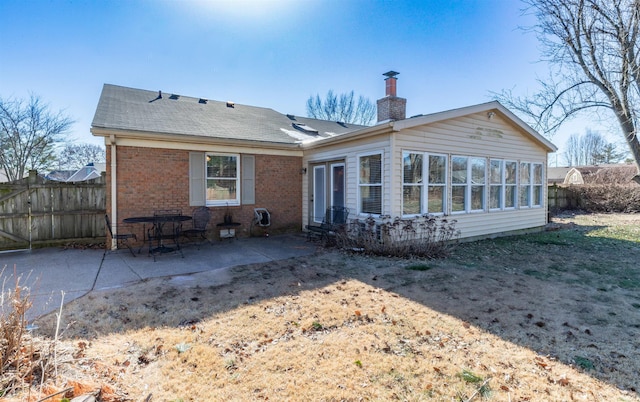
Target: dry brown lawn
[[553, 316]]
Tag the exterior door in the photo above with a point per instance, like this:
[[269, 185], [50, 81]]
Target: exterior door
[[327, 189]]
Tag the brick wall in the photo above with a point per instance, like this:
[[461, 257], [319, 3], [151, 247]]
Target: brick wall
[[152, 178]]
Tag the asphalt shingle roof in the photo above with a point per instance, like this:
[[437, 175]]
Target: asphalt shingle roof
[[141, 110]]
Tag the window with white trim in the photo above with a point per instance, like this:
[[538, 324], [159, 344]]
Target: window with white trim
[[503, 184], [370, 184], [459, 183], [416, 177], [537, 185], [437, 184], [468, 184], [496, 184], [478, 183], [222, 179], [412, 183], [525, 184], [510, 184]]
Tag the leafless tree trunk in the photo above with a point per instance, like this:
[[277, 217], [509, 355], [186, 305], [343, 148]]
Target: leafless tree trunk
[[343, 108], [28, 133], [592, 47]]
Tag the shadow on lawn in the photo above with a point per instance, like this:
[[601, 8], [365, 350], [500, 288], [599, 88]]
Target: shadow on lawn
[[566, 293]]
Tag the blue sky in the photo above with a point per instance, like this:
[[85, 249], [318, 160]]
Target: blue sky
[[266, 53]]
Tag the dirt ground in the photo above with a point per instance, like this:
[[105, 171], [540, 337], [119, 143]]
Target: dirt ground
[[549, 316]]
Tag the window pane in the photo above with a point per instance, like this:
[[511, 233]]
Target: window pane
[[411, 196], [221, 166], [371, 169], [537, 173], [478, 170], [458, 198], [412, 168], [436, 199], [495, 197], [525, 177], [437, 169], [524, 196], [371, 200], [459, 169], [221, 189], [510, 172], [510, 197], [477, 198], [537, 195], [495, 172]]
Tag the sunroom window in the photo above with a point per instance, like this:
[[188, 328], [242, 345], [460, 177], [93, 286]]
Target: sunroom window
[[370, 184]]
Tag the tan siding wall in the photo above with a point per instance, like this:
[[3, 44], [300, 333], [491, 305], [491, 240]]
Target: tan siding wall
[[350, 153], [474, 135]]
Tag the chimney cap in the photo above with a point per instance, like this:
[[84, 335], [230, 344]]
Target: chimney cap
[[391, 74]]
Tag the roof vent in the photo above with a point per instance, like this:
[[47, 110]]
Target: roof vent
[[157, 97], [203, 101], [291, 117], [231, 104], [174, 97], [342, 123]]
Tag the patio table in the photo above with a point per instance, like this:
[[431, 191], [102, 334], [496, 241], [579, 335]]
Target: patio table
[[158, 222]]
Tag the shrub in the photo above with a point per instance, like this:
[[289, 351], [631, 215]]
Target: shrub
[[609, 198], [24, 360], [422, 236]]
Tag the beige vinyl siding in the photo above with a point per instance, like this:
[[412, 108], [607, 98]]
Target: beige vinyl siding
[[485, 224], [474, 136], [349, 153]]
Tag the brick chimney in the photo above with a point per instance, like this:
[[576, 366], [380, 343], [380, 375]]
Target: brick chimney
[[391, 107]]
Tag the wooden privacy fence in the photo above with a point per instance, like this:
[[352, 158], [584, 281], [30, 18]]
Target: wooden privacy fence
[[36, 212], [563, 198]]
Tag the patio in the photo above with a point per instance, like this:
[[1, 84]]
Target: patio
[[51, 271]]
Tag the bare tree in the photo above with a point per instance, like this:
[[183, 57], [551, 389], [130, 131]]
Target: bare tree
[[590, 149], [75, 156], [592, 48], [343, 108], [28, 134]]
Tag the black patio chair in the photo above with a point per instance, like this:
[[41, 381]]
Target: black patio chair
[[334, 221], [121, 238], [200, 219]]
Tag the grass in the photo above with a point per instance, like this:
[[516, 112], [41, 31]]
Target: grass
[[519, 318]]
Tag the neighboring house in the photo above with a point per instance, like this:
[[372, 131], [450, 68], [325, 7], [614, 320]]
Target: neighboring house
[[480, 165], [90, 171], [595, 174]]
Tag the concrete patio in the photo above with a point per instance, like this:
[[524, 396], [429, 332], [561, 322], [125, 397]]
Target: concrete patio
[[51, 271]]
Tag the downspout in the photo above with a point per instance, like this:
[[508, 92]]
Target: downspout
[[114, 199]]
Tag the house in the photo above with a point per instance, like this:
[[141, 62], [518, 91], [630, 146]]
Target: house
[[621, 174], [480, 164], [90, 171]]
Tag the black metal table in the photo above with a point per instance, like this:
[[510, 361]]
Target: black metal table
[[158, 222]]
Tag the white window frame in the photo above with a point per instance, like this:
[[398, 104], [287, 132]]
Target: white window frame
[[514, 185], [469, 185], [428, 184], [226, 202], [465, 185], [501, 185], [539, 203], [472, 184], [362, 185], [527, 187], [421, 184]]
